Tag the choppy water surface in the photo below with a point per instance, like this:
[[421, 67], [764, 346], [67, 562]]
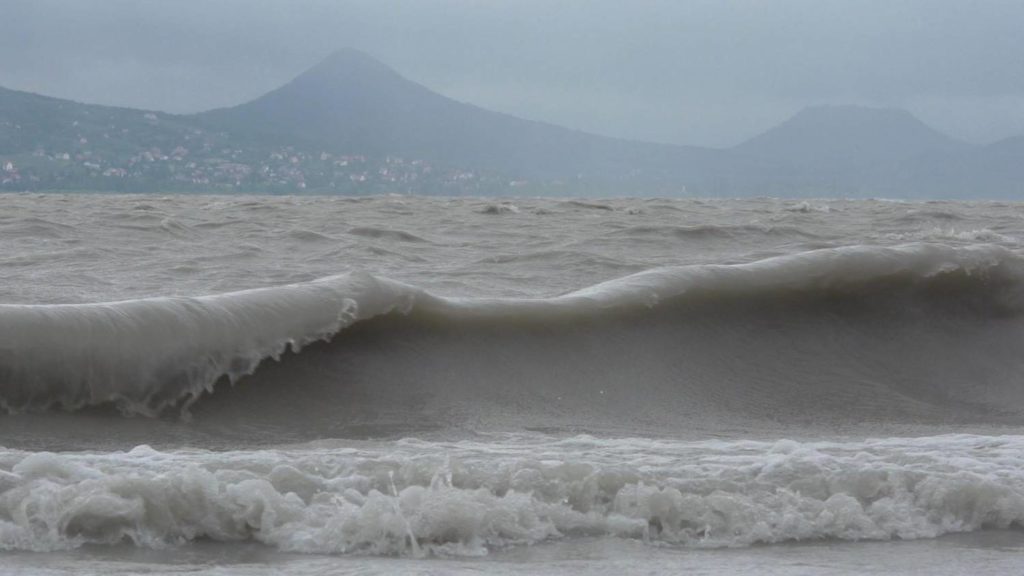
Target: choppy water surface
[[400, 384]]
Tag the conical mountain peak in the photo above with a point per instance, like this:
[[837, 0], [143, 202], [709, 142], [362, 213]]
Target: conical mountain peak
[[348, 64]]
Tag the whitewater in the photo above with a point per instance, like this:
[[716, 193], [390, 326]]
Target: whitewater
[[248, 385]]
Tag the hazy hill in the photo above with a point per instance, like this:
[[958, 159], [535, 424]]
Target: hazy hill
[[838, 135], [32, 122], [1005, 166], [1009, 148], [859, 151], [993, 171], [352, 125], [353, 104], [50, 143], [853, 147]]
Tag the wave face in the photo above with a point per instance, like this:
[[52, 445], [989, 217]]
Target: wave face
[[144, 355], [415, 498], [911, 334]]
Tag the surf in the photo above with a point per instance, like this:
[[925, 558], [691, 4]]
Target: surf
[[915, 333], [419, 498]]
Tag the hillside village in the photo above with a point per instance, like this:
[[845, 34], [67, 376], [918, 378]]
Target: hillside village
[[281, 170], [195, 159]]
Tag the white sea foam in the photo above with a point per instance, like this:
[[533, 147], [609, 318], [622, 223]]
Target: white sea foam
[[939, 234], [415, 497], [808, 207]]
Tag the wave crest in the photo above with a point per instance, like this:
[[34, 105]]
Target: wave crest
[[146, 355]]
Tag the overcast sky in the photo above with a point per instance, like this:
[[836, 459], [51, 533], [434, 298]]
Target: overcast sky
[[707, 72]]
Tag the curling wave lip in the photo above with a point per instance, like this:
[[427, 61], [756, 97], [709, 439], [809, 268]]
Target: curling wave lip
[[147, 355]]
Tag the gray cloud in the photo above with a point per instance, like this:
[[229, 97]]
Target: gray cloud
[[700, 71]]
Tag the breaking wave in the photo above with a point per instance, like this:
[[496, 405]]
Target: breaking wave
[[527, 388], [413, 497], [861, 333]]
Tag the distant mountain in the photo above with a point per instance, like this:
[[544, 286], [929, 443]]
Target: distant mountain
[[860, 151], [53, 144], [1004, 166], [853, 146], [994, 171], [839, 134], [32, 122], [1010, 146], [353, 104], [352, 125]]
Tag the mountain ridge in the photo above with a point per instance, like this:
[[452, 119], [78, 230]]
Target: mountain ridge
[[354, 103], [305, 135], [893, 130]]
